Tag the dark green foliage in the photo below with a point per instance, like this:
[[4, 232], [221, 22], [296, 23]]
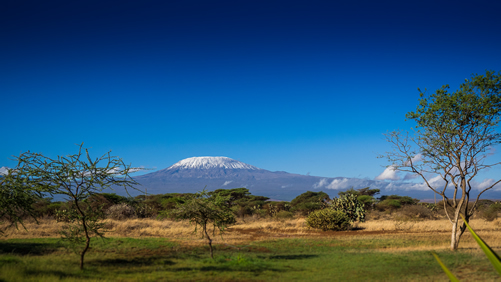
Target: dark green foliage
[[148, 206], [328, 219], [367, 201], [350, 205], [309, 201], [394, 202], [116, 199], [233, 195], [241, 201], [360, 192], [19, 194]]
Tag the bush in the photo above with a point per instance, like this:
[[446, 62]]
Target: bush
[[367, 201], [350, 205], [120, 212], [490, 213], [284, 215], [328, 219], [272, 208], [416, 212]]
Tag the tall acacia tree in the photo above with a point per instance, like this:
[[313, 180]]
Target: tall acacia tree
[[77, 177], [454, 135]]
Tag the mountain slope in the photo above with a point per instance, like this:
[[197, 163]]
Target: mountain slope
[[193, 174]]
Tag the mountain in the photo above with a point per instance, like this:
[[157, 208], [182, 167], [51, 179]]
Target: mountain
[[193, 174]]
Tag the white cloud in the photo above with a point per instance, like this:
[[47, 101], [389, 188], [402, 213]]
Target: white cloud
[[486, 183], [227, 182], [339, 184], [436, 182], [390, 173], [320, 183], [3, 170], [415, 159]]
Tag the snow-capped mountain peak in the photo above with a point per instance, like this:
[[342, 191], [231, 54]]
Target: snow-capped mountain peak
[[211, 162]]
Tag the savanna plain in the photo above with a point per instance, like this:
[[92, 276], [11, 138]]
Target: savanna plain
[[386, 246]]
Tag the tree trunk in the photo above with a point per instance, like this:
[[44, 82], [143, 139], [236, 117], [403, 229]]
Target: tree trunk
[[210, 242], [87, 237], [457, 229], [455, 235]]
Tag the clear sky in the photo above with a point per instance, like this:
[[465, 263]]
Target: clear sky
[[297, 86]]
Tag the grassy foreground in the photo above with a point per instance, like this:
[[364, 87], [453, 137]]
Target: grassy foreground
[[300, 259]]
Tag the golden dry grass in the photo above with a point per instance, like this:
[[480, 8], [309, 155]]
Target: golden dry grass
[[435, 234]]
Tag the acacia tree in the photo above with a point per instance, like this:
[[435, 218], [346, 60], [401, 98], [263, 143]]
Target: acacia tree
[[205, 209], [453, 136], [77, 177]]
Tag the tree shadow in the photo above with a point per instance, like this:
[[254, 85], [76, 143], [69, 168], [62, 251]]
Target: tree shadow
[[254, 268], [47, 273], [288, 257], [144, 261], [36, 249]]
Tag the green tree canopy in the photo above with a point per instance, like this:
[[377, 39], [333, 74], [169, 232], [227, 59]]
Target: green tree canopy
[[309, 201]]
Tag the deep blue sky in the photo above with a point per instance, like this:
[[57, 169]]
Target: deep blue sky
[[298, 86]]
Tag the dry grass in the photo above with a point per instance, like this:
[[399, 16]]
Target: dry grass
[[435, 232]]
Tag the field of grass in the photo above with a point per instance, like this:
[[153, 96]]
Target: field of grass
[[254, 250]]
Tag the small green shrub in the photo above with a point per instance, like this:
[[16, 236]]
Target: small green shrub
[[328, 219], [389, 205], [284, 215]]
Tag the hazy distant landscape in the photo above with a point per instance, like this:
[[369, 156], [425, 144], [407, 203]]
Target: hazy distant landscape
[[191, 175]]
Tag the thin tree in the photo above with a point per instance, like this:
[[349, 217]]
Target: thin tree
[[77, 177], [453, 137], [204, 209]]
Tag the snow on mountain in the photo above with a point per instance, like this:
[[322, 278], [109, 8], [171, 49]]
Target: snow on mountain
[[211, 163]]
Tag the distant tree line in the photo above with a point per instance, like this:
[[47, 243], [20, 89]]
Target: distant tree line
[[242, 204]]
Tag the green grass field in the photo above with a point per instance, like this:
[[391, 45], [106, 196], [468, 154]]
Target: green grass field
[[154, 259]]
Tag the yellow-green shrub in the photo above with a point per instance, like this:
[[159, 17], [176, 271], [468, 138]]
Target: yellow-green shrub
[[328, 219]]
